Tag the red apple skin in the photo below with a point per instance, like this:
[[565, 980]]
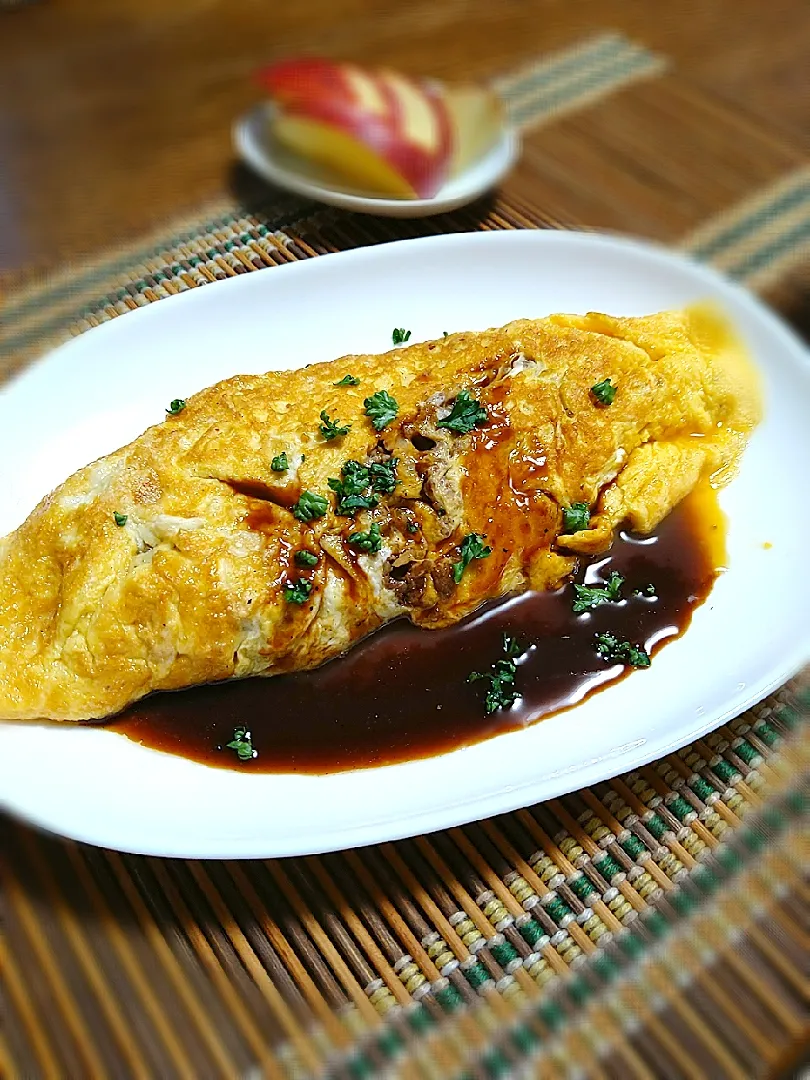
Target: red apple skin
[[321, 90], [298, 81], [425, 170]]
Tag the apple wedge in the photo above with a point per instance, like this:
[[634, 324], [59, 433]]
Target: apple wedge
[[379, 131], [477, 118]]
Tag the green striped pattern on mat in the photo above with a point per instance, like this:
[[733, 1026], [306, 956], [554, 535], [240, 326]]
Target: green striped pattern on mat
[[78, 289], [761, 237], [220, 242], [755, 241], [572, 78]]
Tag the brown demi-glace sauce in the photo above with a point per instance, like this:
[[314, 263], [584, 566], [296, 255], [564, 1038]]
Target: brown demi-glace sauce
[[402, 693]]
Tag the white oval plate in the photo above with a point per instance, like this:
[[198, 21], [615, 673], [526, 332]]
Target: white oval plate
[[256, 146], [103, 388]]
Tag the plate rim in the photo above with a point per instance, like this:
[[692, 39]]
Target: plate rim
[[508, 797]]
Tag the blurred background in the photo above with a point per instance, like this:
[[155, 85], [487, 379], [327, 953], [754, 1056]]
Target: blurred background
[[116, 117]]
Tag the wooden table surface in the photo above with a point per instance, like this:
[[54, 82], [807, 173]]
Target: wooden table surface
[[113, 117]]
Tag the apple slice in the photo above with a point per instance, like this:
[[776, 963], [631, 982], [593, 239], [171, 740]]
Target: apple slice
[[477, 117], [379, 131]]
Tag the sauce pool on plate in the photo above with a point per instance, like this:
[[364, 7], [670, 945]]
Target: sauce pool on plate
[[403, 693]]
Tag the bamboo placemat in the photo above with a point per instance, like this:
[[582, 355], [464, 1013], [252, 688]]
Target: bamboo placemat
[[653, 926]]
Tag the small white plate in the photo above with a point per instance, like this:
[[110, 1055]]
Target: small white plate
[[256, 146], [104, 387]]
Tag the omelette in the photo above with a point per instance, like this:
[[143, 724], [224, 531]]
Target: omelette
[[270, 522]]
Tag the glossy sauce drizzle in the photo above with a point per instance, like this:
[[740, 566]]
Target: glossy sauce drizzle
[[402, 693]]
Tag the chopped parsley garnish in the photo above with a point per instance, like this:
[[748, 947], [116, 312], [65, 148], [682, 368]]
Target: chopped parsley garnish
[[370, 541], [120, 519], [588, 597], [360, 486], [604, 392], [399, 335], [501, 678], [381, 409], [280, 462], [332, 429], [347, 380], [305, 558], [472, 547], [242, 743], [576, 517], [356, 475], [645, 590], [413, 527], [616, 651], [466, 414], [297, 592], [352, 489], [512, 647], [309, 506], [176, 406], [383, 475], [445, 334]]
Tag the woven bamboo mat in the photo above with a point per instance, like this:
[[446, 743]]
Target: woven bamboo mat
[[654, 926]]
